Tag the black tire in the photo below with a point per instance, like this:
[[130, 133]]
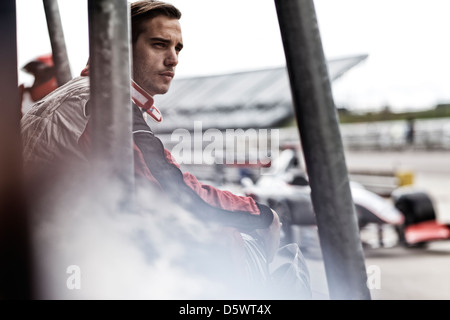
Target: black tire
[[416, 206]]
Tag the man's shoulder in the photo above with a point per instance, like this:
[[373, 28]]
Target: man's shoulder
[[77, 85], [75, 91], [67, 104]]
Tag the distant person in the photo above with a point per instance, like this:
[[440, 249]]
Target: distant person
[[410, 131], [43, 71]]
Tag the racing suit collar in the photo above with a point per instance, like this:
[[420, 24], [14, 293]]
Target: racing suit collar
[[139, 96], [144, 101]]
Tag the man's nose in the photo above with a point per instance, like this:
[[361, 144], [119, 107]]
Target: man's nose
[[171, 58]]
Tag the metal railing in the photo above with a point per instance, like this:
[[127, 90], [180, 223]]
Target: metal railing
[[323, 150]]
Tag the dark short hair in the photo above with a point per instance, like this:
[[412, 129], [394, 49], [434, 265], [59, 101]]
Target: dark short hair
[[144, 10]]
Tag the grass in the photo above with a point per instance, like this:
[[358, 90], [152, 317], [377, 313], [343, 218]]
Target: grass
[[440, 111]]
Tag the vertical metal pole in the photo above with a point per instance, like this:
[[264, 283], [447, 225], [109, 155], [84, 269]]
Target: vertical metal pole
[[323, 150], [59, 52], [15, 262], [109, 38]]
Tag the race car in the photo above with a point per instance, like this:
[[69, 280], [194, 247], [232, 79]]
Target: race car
[[408, 211]]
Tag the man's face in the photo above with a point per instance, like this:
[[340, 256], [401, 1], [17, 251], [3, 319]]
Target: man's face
[[155, 54]]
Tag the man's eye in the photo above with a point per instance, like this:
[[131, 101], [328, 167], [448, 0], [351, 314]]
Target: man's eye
[[159, 45]]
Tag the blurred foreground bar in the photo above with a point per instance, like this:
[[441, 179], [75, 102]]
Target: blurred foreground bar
[[59, 52], [109, 38], [15, 261], [323, 150]]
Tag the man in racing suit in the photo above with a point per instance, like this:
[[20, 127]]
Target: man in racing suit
[[56, 130]]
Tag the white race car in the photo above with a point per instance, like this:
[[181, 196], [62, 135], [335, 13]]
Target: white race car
[[408, 212]]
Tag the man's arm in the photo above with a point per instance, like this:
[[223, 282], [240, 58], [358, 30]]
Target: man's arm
[[172, 182], [205, 201]]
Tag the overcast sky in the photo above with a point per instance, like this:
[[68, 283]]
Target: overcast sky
[[407, 42]]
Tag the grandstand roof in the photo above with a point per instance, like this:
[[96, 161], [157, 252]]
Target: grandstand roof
[[251, 99]]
